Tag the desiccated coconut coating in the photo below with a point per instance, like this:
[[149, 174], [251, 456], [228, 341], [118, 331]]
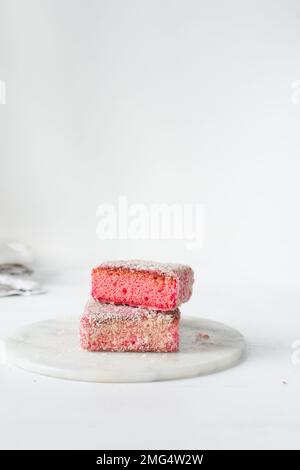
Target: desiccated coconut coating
[[107, 327], [142, 283]]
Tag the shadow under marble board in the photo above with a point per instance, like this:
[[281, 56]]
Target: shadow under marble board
[[51, 347]]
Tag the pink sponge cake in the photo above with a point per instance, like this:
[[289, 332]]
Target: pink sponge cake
[[142, 283], [107, 327]]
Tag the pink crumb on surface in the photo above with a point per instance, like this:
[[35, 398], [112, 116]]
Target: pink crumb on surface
[[142, 283], [203, 335], [121, 328]]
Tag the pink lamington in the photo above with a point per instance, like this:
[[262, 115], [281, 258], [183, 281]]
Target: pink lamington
[[142, 283], [107, 327]]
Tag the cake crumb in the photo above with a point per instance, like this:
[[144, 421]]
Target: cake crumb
[[203, 335]]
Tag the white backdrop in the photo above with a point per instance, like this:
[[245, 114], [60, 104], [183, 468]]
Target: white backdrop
[[161, 101]]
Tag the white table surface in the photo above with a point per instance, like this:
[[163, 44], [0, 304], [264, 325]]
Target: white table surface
[[253, 405]]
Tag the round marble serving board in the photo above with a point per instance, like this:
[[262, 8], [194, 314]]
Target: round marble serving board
[[51, 347]]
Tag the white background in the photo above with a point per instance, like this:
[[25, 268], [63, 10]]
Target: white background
[[161, 101]]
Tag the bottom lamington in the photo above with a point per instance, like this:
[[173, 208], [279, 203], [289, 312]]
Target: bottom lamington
[[120, 328]]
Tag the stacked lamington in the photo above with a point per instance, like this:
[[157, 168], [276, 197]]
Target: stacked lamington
[[134, 306]]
